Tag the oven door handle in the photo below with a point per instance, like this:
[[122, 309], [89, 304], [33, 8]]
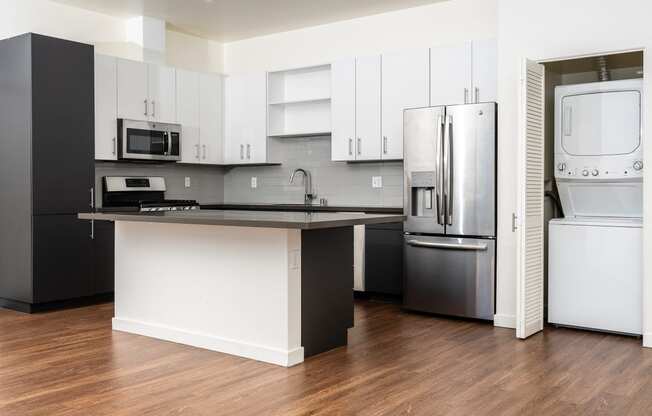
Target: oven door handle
[[448, 246]]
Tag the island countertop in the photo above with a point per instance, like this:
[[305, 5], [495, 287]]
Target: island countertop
[[263, 219]]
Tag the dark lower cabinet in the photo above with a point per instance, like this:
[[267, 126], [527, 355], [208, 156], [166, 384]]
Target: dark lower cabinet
[[103, 258], [384, 259], [62, 258]]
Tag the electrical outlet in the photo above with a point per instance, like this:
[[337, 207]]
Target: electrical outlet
[[376, 181], [254, 182], [187, 182]]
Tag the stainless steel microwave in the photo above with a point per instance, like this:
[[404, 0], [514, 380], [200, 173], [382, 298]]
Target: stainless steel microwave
[[148, 140]]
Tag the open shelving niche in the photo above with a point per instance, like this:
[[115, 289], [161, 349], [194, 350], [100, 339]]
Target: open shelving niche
[[299, 102]]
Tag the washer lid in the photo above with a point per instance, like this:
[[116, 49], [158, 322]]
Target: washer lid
[[602, 123]]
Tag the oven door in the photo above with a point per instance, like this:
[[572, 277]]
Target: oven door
[[141, 140]]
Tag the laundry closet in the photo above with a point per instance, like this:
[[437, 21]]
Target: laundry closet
[[593, 184]]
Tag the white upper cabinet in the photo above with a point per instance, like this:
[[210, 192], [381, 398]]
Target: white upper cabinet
[[464, 73], [245, 137], [367, 108], [106, 105], [451, 74], [162, 92], [485, 71], [211, 118], [133, 95], [343, 110], [146, 91], [188, 109], [404, 85]]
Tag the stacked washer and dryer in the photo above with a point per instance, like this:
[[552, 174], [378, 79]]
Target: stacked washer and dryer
[[595, 252]]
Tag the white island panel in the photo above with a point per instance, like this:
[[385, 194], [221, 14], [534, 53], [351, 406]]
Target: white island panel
[[235, 290]]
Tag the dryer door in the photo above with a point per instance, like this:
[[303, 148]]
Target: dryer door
[[601, 123]]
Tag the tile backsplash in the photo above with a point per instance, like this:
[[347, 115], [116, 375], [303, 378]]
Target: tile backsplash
[[206, 182], [341, 183]]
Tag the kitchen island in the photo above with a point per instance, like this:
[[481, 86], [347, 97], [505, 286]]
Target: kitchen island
[[271, 286]]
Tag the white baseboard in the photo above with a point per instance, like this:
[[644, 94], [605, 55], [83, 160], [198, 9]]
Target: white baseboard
[[647, 340], [211, 342], [505, 321]]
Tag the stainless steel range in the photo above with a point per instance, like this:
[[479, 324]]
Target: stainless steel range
[[138, 193], [450, 204]]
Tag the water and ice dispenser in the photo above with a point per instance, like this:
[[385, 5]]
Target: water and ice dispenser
[[422, 193]]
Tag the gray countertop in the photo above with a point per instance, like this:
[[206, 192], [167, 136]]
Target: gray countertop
[[264, 219]]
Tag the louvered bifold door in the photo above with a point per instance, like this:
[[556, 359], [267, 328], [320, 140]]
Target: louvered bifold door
[[529, 314]]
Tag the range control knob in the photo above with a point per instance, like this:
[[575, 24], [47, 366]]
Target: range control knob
[[595, 172], [561, 167], [638, 165], [585, 172]]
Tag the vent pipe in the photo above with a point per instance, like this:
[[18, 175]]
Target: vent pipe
[[603, 72]]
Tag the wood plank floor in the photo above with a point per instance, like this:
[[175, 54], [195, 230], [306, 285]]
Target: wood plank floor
[[71, 363]]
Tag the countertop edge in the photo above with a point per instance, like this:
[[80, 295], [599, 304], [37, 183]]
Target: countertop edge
[[132, 217]]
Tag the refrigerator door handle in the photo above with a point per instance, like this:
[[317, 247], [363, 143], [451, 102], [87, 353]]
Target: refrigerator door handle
[[448, 246], [448, 169], [439, 181]]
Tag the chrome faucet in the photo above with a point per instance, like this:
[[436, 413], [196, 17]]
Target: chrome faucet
[[307, 184]]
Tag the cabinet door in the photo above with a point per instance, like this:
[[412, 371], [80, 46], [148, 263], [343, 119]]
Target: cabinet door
[[367, 108], [106, 107], [103, 277], [235, 110], [485, 67], [405, 85], [162, 89], [255, 125], [450, 74], [188, 114], [211, 107], [384, 260], [62, 258], [343, 110], [62, 164], [133, 100]]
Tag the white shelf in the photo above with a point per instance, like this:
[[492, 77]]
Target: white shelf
[[299, 102], [292, 134]]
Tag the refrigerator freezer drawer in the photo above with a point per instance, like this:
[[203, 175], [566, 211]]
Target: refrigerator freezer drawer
[[450, 276]]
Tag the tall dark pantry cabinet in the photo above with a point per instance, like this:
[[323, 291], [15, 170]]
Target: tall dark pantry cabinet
[[46, 172]]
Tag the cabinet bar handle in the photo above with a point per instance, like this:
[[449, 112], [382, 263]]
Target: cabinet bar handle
[[204, 150], [248, 151], [466, 95], [359, 146], [477, 95], [241, 151], [197, 151], [350, 146], [92, 229], [385, 144], [153, 108], [146, 107], [115, 146], [92, 204]]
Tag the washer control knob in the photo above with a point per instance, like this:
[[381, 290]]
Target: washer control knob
[[638, 165], [561, 167], [585, 172], [595, 172]]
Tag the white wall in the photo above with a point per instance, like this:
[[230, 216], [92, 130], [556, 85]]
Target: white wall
[[107, 33], [424, 26], [557, 29]]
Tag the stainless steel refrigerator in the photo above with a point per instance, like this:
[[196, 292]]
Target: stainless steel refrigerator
[[450, 204]]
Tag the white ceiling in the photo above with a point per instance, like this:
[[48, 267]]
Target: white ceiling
[[229, 20]]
